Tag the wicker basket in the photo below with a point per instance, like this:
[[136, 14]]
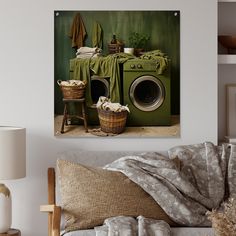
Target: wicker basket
[[73, 91], [112, 122]]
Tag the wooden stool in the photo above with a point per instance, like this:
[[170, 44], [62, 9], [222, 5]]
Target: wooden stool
[[12, 232], [81, 116]]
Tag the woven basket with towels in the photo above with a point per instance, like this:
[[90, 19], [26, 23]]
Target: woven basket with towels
[[112, 116], [72, 89]]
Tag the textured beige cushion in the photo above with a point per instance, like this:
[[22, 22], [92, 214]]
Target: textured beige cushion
[[90, 195]]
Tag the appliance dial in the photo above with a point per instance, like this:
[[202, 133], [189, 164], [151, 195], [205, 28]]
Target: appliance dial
[[140, 66], [132, 66]]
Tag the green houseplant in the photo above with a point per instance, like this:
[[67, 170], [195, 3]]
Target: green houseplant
[[137, 40]]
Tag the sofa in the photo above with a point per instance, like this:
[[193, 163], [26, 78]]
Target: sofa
[[94, 159]]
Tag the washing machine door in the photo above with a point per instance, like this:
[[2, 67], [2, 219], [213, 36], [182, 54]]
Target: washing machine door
[[99, 87], [147, 93]]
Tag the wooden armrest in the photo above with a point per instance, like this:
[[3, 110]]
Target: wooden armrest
[[55, 216], [54, 212], [47, 208]]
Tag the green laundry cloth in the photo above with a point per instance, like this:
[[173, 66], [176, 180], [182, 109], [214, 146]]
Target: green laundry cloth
[[80, 71], [160, 58], [97, 35], [102, 66]]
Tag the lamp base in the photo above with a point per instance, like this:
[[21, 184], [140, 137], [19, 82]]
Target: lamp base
[[5, 209]]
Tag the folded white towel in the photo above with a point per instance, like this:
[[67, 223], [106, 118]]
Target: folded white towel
[[88, 55], [88, 50]]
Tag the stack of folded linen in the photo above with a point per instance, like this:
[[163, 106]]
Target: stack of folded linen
[[87, 52]]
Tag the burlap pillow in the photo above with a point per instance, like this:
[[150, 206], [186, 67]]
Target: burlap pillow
[[90, 195]]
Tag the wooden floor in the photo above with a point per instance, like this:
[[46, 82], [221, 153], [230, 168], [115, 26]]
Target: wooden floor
[[146, 131]]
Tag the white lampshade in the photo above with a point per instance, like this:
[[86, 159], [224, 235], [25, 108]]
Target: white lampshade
[[12, 152]]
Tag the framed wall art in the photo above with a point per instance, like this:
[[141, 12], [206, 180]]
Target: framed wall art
[[117, 73], [231, 109]]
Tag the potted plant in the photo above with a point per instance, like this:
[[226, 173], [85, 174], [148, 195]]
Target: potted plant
[[138, 41]]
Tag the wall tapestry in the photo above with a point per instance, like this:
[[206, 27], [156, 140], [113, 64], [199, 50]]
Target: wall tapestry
[[117, 73]]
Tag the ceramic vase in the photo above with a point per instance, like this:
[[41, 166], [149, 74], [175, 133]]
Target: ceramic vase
[[129, 51], [5, 209]]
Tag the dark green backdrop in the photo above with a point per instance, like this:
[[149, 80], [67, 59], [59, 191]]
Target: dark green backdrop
[[163, 27]]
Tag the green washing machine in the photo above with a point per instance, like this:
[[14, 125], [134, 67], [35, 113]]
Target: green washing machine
[[146, 93]]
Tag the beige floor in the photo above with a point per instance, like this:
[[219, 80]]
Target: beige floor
[[146, 131]]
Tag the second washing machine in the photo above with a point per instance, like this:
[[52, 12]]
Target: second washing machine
[[99, 86], [146, 93]]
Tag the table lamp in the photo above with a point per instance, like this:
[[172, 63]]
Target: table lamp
[[12, 166]]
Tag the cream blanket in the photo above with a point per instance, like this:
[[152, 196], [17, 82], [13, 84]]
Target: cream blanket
[[185, 193]]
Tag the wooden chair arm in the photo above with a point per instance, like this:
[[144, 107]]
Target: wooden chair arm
[[54, 212], [47, 208], [55, 215]]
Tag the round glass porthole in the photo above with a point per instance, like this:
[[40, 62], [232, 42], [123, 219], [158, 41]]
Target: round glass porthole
[[99, 87], [147, 93]]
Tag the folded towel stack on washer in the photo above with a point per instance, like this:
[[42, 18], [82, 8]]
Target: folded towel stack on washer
[[87, 52]]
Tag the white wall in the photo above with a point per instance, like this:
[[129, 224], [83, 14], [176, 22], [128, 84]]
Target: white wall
[[26, 89]]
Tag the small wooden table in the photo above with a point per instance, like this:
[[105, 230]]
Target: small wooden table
[[11, 232]]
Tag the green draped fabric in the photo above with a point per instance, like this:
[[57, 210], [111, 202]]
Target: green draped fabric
[[102, 66], [159, 57]]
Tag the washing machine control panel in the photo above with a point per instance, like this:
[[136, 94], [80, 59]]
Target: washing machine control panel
[[134, 66], [140, 65]]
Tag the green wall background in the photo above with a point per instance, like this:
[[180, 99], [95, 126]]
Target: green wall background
[[163, 27]]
